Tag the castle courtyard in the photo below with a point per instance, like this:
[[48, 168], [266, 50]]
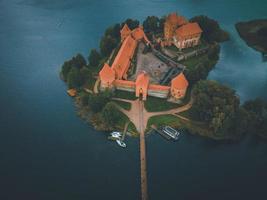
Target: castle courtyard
[[150, 64]]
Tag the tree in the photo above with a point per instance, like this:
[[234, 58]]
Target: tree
[[114, 31], [151, 24], [202, 69], [132, 24], [86, 75], [107, 44], [74, 78], [94, 58], [110, 114], [97, 102], [257, 114], [66, 67], [84, 98], [161, 23], [216, 105], [78, 61], [211, 29]]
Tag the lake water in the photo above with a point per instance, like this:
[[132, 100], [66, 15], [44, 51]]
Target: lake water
[[47, 152]]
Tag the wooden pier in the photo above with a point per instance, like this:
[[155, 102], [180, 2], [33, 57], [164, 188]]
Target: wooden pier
[[144, 192]]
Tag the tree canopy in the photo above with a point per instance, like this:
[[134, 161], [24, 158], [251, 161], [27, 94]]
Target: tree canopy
[[154, 24], [131, 23], [215, 104], [202, 69], [94, 58], [110, 114], [151, 24], [257, 115], [98, 101], [212, 32], [74, 79], [77, 61]]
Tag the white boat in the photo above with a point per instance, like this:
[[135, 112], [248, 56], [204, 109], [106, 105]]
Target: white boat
[[171, 132], [116, 134], [121, 143]]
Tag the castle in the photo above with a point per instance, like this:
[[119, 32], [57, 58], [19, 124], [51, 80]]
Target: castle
[[181, 33], [115, 76]]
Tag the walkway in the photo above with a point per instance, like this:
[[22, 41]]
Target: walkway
[[96, 85], [143, 153]]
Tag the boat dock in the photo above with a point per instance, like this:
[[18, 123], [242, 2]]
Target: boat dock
[[161, 132]]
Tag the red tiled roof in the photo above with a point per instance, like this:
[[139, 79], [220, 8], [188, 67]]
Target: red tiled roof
[[188, 29], [126, 52], [122, 60], [72, 92], [179, 82], [158, 87], [142, 80], [107, 74], [177, 20], [124, 82], [125, 29], [139, 34]]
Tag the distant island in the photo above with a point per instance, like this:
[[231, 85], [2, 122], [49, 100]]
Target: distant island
[[158, 71], [254, 33]]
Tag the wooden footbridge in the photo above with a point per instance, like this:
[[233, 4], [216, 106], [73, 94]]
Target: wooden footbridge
[[144, 191]]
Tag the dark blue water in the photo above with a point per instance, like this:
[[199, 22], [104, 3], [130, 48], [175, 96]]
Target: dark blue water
[[47, 152]]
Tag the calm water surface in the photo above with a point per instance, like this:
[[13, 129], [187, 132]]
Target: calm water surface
[[47, 152]]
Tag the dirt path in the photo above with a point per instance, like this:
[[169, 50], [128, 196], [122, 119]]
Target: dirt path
[[96, 86], [133, 113]]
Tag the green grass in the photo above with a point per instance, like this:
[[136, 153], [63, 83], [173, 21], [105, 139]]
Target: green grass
[[132, 129], [163, 120], [172, 48], [125, 95], [192, 62], [125, 105], [124, 119], [154, 104]]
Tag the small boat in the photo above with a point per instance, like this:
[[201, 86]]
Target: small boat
[[116, 134], [121, 143], [174, 134]]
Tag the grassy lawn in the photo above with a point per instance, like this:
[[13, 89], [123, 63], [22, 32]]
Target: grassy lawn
[[163, 120], [123, 121], [125, 95], [192, 62], [154, 104], [172, 48], [200, 46], [125, 105], [132, 129]]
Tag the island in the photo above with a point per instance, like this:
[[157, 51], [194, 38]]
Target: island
[[254, 33], [152, 75]]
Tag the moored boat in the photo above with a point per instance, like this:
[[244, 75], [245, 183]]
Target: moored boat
[[121, 143]]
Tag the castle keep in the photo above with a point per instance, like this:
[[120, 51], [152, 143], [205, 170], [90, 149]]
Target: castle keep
[[181, 33]]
